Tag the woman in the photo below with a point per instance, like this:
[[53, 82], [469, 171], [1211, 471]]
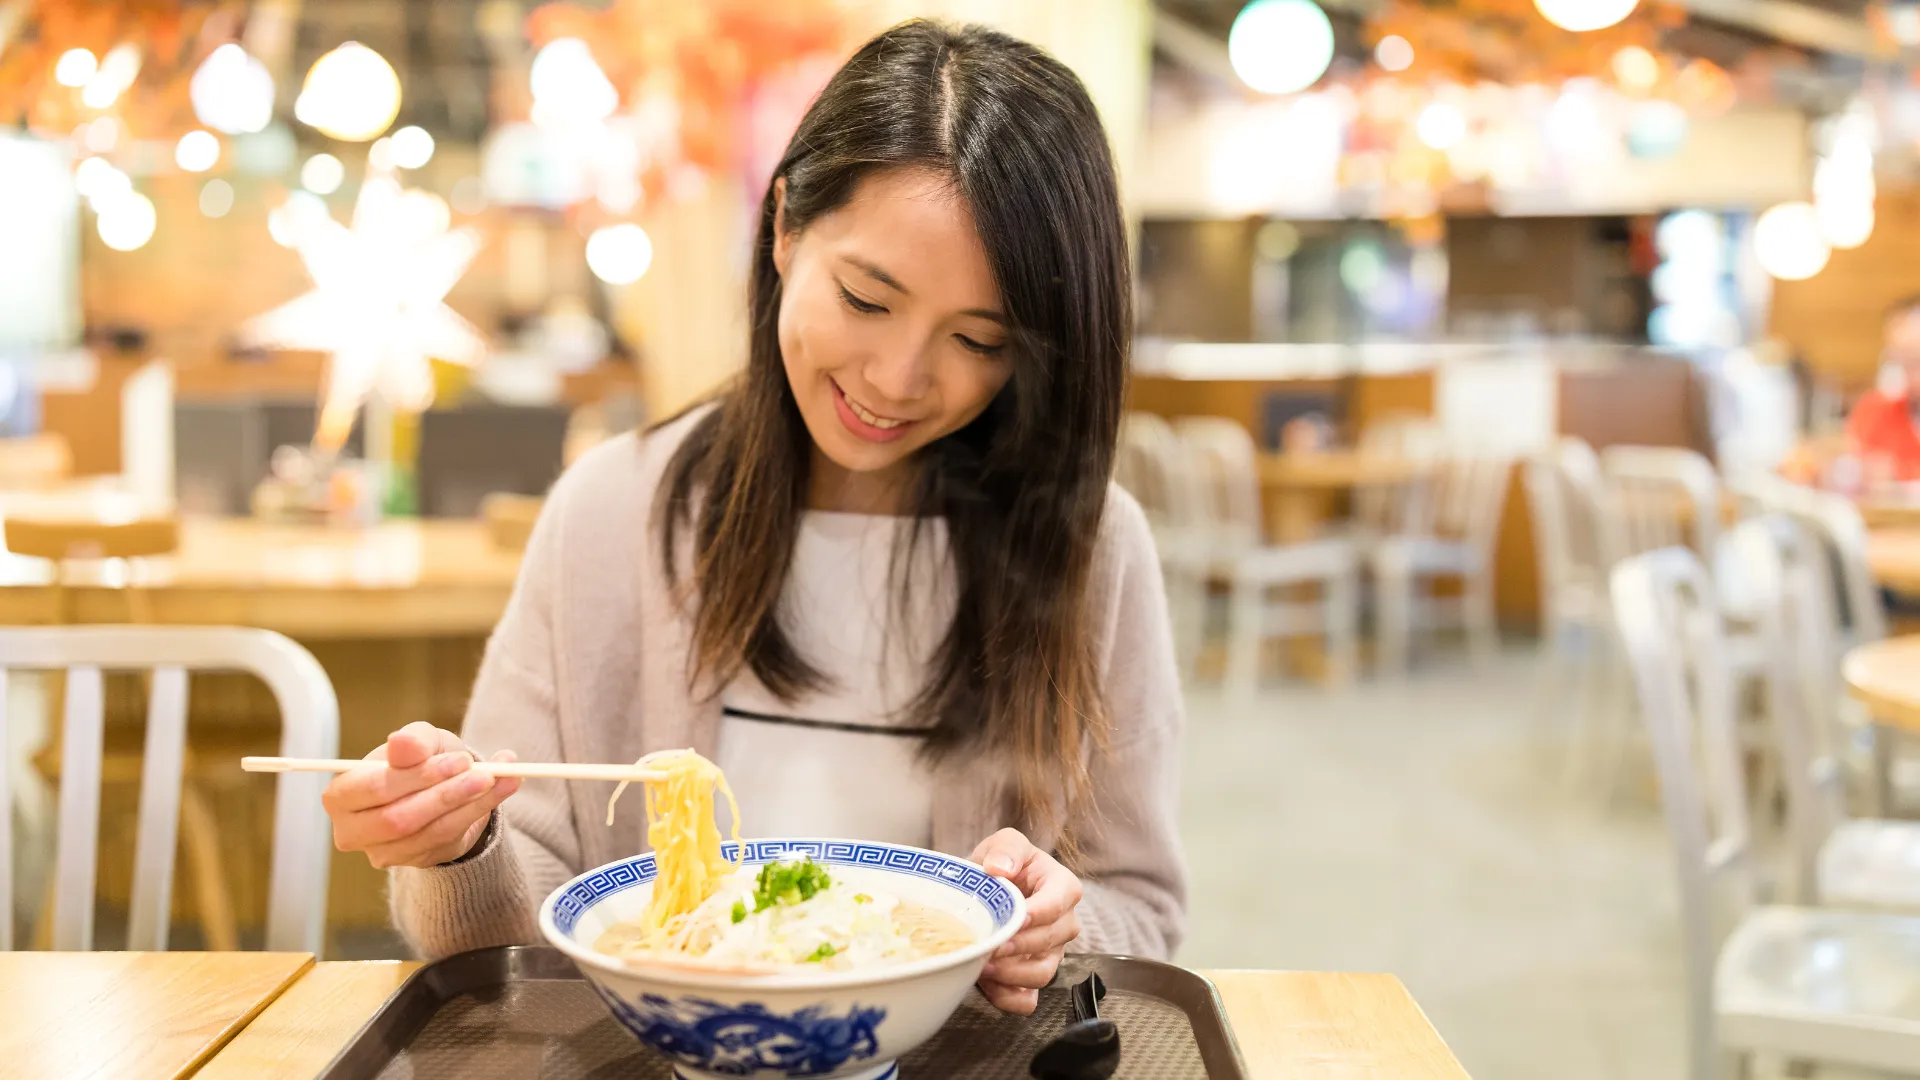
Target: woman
[[883, 580]]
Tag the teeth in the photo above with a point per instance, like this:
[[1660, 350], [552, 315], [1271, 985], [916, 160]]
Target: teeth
[[880, 422]]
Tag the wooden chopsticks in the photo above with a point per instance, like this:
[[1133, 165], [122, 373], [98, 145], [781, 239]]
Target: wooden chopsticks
[[530, 770]]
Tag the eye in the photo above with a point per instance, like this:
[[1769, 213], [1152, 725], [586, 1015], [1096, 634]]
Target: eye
[[859, 305], [971, 345]]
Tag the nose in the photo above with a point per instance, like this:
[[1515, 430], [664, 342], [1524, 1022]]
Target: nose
[[902, 373]]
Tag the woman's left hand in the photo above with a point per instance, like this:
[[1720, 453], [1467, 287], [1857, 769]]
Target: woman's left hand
[[1015, 974]]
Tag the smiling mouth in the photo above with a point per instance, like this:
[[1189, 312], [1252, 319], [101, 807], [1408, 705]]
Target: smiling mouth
[[884, 423]]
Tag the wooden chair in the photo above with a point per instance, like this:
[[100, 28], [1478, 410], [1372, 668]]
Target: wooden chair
[[310, 727]]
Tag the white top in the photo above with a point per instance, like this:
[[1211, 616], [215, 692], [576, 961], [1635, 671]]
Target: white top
[[836, 762]]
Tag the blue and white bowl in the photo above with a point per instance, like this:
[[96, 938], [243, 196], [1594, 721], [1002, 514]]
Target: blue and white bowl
[[852, 1024]]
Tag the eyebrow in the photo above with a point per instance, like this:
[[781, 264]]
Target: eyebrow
[[893, 283]]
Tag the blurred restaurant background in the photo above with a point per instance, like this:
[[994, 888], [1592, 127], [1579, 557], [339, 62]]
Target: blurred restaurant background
[[1444, 309]]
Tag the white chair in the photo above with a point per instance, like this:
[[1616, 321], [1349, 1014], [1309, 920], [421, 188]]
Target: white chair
[[1453, 529], [1846, 599], [310, 727], [1665, 496], [1818, 985], [1225, 467], [1858, 862], [1576, 537], [1153, 467]]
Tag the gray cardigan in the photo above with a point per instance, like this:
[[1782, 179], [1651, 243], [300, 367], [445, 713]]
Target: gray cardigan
[[589, 663]]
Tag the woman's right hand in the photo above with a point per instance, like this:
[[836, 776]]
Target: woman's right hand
[[427, 806]]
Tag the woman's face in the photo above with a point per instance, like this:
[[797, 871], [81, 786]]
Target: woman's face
[[891, 327]]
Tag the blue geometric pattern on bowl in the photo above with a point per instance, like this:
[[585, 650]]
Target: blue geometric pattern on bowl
[[740, 1040], [994, 894]]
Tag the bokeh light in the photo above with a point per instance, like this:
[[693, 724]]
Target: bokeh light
[[1441, 125], [619, 254], [350, 93], [126, 222], [410, 147], [1394, 53], [1635, 69], [568, 85], [1361, 267], [1280, 46], [216, 198], [75, 67], [1584, 15], [232, 92], [197, 151], [323, 174], [117, 71], [1789, 242]]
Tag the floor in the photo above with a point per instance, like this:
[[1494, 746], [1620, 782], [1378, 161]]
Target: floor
[[1428, 829]]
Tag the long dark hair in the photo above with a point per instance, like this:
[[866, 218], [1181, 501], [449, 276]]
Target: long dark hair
[[1022, 488]]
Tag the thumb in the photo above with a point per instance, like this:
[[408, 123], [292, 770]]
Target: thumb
[[1004, 853], [406, 750]]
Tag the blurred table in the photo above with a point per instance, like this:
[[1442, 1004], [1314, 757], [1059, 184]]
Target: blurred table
[[131, 1015], [1302, 489], [1288, 1024], [1894, 557], [1885, 677], [1881, 513], [399, 579]]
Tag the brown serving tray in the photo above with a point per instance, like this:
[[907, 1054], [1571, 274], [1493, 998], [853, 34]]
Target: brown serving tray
[[525, 1012]]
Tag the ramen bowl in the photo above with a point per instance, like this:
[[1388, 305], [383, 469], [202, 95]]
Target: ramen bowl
[[804, 1023]]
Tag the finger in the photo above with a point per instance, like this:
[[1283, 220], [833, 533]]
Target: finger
[[1052, 890], [1035, 940], [400, 819], [1034, 972], [1018, 1000], [419, 741], [376, 785], [1005, 854], [445, 838]]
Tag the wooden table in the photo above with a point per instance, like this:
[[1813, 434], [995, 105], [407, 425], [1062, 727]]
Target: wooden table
[[130, 1016], [1894, 557], [1302, 489], [1885, 677], [1290, 1026], [1889, 513], [400, 579]]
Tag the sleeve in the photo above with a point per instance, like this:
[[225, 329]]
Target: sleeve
[[1131, 860], [488, 897]]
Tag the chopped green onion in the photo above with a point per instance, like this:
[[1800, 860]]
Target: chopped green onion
[[824, 952], [789, 883], [739, 911]]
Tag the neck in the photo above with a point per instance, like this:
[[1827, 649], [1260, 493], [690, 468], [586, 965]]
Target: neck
[[832, 487]]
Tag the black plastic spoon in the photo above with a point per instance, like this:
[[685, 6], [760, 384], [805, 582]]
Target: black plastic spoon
[[1089, 1049]]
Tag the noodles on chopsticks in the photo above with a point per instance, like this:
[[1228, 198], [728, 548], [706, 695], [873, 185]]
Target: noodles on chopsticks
[[681, 829]]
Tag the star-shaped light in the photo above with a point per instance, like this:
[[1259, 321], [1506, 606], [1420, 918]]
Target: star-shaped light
[[378, 303]]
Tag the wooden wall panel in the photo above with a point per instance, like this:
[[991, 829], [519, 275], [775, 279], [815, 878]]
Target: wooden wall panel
[[1833, 319]]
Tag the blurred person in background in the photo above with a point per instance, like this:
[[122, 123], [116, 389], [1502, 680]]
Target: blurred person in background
[[1881, 427], [884, 579]]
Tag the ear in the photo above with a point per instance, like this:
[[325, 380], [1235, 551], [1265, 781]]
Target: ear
[[782, 239]]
